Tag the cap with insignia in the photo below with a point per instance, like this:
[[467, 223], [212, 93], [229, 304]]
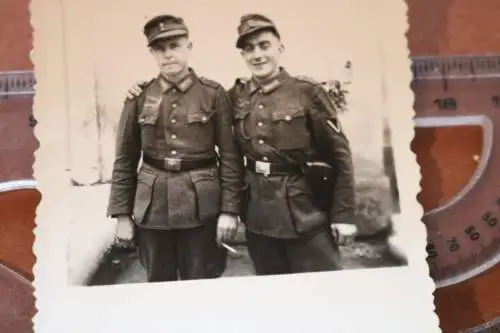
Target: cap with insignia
[[164, 26], [251, 23]]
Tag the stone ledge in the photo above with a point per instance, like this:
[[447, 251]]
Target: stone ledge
[[398, 239], [90, 233]]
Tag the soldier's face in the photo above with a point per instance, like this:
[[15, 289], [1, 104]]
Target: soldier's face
[[172, 55], [262, 53]]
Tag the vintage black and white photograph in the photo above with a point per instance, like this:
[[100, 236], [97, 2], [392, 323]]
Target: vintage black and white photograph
[[224, 150]]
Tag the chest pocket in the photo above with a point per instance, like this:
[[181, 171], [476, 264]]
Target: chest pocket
[[241, 112], [290, 129], [147, 121], [201, 126], [202, 117]]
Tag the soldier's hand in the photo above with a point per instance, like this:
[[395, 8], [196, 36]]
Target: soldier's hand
[[227, 227], [135, 90], [124, 229], [345, 233]]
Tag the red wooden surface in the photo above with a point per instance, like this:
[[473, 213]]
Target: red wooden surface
[[17, 140], [436, 149], [15, 35], [16, 303], [455, 27]]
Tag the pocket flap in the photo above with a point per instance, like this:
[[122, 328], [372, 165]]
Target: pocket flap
[[204, 175], [200, 116], [288, 114], [298, 185], [148, 117], [146, 178]]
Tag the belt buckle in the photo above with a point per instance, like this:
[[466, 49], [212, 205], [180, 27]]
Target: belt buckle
[[263, 168], [172, 164]]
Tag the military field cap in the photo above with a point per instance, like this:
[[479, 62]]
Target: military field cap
[[164, 26], [251, 23]]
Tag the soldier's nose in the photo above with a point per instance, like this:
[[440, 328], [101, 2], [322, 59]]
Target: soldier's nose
[[257, 59], [257, 53]]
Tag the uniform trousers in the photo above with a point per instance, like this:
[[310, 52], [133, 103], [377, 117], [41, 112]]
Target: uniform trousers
[[181, 254], [315, 252]]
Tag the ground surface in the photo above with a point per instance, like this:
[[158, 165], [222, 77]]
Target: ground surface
[[125, 268]]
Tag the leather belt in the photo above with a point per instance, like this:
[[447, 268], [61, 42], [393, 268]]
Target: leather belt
[[266, 168], [178, 165]]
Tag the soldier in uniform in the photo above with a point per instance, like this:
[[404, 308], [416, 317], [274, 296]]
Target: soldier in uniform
[[184, 198], [281, 122]]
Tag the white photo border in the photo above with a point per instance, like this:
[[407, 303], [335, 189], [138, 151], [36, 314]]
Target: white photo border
[[364, 300]]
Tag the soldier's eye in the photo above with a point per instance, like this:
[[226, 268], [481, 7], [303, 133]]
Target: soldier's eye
[[264, 45]]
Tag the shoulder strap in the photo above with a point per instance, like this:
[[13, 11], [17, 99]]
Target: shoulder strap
[[209, 82], [152, 96], [307, 79], [144, 86]]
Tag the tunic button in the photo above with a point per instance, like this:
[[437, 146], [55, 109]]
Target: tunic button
[[173, 121], [173, 152], [265, 158], [204, 118], [260, 124], [288, 118], [261, 106], [174, 105], [174, 136], [261, 141]]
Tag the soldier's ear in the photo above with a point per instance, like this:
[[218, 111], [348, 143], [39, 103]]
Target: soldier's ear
[[282, 47]]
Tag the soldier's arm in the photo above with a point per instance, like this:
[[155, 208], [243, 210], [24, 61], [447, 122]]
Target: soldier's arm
[[127, 155], [333, 146], [231, 161]]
